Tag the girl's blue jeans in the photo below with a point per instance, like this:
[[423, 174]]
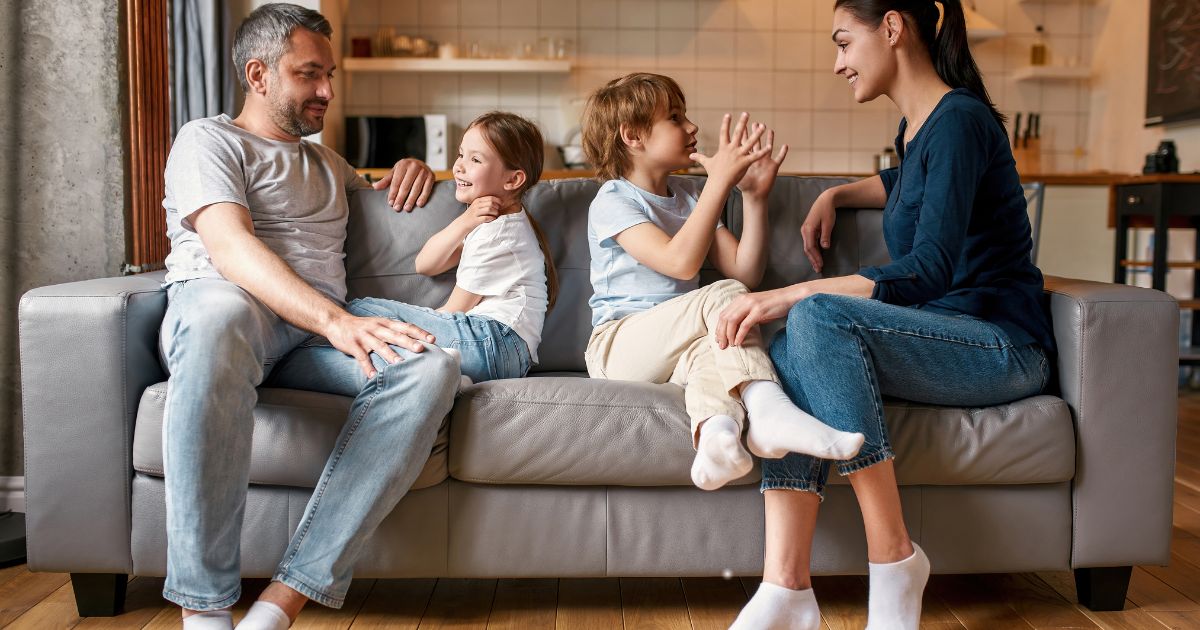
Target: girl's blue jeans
[[839, 356]]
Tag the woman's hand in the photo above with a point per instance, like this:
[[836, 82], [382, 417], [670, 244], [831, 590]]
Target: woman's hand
[[817, 229], [760, 177], [752, 309]]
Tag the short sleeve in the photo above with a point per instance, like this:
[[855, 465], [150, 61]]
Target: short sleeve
[[204, 168], [487, 266], [612, 213]]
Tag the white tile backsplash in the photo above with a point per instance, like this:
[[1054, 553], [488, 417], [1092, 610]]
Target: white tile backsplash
[[771, 57]]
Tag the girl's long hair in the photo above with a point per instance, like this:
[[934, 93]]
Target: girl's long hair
[[519, 145], [947, 47]]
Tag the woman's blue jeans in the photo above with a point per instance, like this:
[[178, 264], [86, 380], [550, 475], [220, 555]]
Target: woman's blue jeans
[[839, 356]]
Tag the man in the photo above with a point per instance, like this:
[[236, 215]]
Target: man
[[257, 221]]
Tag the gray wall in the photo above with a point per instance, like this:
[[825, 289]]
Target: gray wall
[[62, 172]]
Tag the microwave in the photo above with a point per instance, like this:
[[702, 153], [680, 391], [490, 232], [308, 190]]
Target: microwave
[[381, 141]]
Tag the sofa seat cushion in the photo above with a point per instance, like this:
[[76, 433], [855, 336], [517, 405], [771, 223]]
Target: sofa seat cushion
[[294, 433], [567, 430]]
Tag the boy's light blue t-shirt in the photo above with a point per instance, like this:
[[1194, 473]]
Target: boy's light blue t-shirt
[[621, 285]]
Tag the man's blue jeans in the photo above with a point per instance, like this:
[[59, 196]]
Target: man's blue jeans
[[839, 355], [219, 343]]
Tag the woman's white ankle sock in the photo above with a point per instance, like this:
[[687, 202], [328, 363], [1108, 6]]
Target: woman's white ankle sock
[[774, 607], [777, 427], [895, 592], [209, 620], [265, 616], [720, 457]]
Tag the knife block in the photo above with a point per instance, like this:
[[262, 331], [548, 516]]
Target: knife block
[[1028, 157]]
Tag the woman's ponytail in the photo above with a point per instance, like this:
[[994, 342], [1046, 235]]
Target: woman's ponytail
[[952, 56]]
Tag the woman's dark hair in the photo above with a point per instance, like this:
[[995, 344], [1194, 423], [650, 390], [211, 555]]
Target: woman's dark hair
[[947, 47]]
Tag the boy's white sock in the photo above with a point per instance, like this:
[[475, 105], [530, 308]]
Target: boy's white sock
[[720, 457], [774, 607], [777, 427], [209, 620], [265, 616], [895, 592]]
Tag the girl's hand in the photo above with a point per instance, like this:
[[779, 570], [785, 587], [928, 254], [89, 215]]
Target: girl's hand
[[734, 155], [817, 229], [749, 310], [760, 177], [482, 210]]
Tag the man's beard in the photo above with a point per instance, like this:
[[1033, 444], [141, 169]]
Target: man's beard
[[289, 116]]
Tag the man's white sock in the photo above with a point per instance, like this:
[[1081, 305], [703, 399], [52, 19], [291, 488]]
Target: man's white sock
[[265, 616], [720, 457], [895, 592], [774, 607], [209, 620], [777, 427]]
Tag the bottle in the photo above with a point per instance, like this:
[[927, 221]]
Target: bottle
[[1037, 52]]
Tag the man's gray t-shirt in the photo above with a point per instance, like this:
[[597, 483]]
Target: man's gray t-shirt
[[296, 193]]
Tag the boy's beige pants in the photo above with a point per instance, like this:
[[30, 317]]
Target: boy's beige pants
[[675, 342]]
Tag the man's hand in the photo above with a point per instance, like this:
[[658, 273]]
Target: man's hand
[[360, 336], [760, 177], [734, 155], [751, 309], [409, 184], [817, 229], [482, 210]]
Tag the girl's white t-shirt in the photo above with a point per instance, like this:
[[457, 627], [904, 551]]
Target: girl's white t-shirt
[[503, 262]]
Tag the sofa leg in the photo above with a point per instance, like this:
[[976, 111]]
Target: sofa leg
[[1102, 588], [99, 594]]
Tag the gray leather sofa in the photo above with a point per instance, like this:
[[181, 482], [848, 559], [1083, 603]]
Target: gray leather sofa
[[560, 475]]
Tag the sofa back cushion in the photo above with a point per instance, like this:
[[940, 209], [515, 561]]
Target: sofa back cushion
[[382, 245]]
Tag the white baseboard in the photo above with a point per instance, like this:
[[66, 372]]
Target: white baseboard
[[12, 494]]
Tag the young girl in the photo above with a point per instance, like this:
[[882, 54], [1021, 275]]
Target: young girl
[[649, 233], [494, 316]]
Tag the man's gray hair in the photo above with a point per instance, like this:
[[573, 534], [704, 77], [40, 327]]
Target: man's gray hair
[[265, 35]]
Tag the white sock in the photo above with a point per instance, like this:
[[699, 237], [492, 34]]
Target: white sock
[[720, 457], [774, 607], [464, 381], [265, 616], [895, 592], [777, 427], [209, 620]]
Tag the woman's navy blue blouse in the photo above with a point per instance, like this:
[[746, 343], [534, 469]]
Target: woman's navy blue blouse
[[957, 227]]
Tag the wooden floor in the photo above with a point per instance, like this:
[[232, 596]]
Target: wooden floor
[[1159, 597]]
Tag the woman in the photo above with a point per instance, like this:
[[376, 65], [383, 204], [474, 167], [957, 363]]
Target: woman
[[956, 319]]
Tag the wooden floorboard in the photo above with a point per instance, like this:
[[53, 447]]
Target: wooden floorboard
[[1158, 598]]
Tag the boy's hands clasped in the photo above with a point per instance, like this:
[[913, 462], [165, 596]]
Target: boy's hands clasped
[[737, 153]]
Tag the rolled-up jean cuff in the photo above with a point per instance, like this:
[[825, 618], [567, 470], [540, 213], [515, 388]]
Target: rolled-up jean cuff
[[202, 605], [291, 581], [796, 485], [865, 461]]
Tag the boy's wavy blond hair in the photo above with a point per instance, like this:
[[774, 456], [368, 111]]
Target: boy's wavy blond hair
[[631, 102]]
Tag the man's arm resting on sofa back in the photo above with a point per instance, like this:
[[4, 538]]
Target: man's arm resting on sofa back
[[228, 234]]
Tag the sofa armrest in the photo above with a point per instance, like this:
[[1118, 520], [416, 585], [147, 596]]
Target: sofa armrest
[[1118, 360], [88, 349]]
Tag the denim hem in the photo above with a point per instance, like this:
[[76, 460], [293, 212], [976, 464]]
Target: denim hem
[[798, 485], [304, 589], [199, 604], [865, 461]]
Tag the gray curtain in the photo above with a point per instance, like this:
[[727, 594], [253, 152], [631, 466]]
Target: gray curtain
[[203, 82]]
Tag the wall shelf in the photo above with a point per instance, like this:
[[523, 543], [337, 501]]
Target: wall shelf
[[1052, 73], [424, 64]]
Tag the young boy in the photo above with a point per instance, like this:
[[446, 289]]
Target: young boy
[[648, 234]]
